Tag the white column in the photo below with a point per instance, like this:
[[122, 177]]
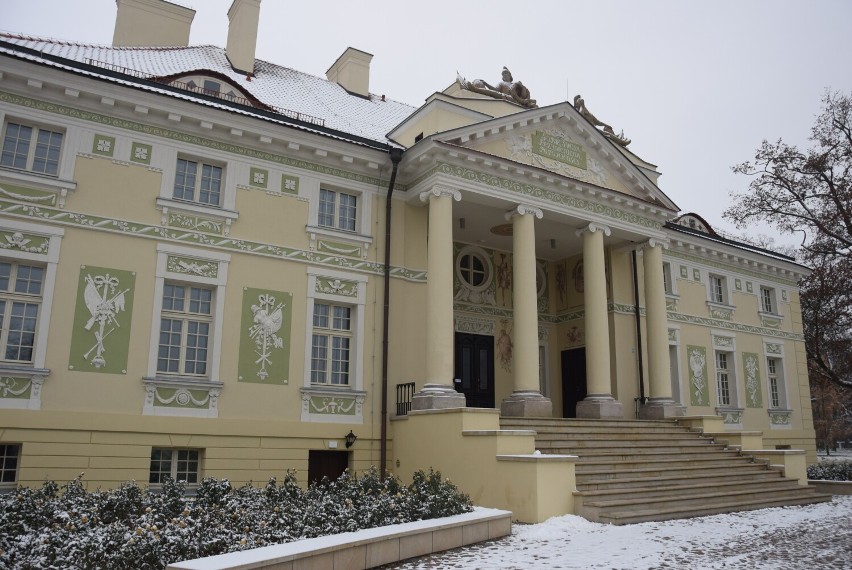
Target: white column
[[599, 402], [526, 399], [438, 391], [660, 404]]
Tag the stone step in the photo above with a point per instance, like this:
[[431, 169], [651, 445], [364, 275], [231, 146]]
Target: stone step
[[590, 473], [758, 473], [614, 516], [699, 449], [708, 462], [545, 423], [679, 489], [651, 455], [627, 437]]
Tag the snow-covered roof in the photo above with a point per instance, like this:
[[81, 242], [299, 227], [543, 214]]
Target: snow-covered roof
[[273, 85]]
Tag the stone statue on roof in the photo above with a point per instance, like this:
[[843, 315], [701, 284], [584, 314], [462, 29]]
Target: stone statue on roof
[[580, 105], [507, 89]]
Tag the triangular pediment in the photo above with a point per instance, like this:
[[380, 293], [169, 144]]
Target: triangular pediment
[[559, 140]]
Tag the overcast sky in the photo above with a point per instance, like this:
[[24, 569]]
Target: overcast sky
[[696, 85]]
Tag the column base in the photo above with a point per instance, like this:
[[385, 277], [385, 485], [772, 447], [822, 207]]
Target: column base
[[526, 404], [600, 408], [437, 397], [660, 409]]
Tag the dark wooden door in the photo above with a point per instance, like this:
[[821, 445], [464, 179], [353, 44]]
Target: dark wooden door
[[475, 369], [322, 463], [573, 380]]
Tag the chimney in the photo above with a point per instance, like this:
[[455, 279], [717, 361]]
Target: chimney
[[151, 23], [352, 71], [243, 18]]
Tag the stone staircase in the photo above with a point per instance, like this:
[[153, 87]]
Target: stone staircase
[[632, 471]]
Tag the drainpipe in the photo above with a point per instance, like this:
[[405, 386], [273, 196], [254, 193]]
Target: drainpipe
[[638, 329], [395, 156]]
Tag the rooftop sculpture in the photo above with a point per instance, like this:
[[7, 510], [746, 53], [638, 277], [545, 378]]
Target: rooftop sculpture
[[580, 105], [507, 89]]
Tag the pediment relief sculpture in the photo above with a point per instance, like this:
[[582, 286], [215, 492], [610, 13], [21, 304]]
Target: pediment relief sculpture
[[506, 89], [607, 130], [554, 150]]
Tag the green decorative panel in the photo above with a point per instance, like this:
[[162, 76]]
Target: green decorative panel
[[195, 223], [24, 242], [182, 398], [773, 349], [100, 336], [141, 153], [265, 336], [684, 272], [696, 275], [780, 418], [259, 178], [324, 246], [749, 287], [331, 286], [16, 388], [103, 145], [699, 390], [40, 197], [751, 367], [738, 284], [332, 405], [192, 266], [289, 184], [721, 313], [559, 149]]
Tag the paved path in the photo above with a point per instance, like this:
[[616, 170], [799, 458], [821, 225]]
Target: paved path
[[814, 536]]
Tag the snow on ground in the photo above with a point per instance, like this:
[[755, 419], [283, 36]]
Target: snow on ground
[[812, 536], [838, 455]]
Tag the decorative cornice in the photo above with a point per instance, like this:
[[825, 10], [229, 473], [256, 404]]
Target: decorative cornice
[[592, 228], [199, 238], [439, 190], [523, 210]]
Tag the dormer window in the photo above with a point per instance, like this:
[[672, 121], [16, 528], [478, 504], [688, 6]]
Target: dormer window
[[212, 87]]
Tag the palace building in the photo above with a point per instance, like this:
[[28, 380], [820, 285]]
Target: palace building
[[214, 265]]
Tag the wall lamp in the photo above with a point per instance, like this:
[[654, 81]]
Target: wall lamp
[[350, 439]]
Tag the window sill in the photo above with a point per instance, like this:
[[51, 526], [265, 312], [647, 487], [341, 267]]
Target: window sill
[[191, 216], [181, 396], [332, 405], [779, 418], [733, 417], [720, 310], [773, 320], [57, 188]]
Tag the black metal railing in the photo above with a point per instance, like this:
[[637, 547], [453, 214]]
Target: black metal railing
[[404, 392]]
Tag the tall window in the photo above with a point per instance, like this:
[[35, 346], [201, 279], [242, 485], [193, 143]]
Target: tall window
[[767, 300], [723, 381], [10, 458], [20, 299], [198, 182], [187, 316], [667, 278], [717, 289], [179, 464], [773, 368], [31, 148], [330, 348], [337, 210]]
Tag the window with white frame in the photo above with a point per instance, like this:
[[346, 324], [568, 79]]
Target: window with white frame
[[768, 304], [775, 375], [718, 289], [177, 464], [724, 379], [10, 459], [331, 344], [185, 329], [31, 147], [337, 210], [198, 181], [21, 285]]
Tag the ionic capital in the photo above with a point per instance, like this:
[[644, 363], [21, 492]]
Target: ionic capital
[[523, 210], [594, 227], [655, 242], [439, 190]]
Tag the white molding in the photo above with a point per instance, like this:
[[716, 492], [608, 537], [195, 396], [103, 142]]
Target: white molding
[[593, 227], [439, 190], [523, 210]]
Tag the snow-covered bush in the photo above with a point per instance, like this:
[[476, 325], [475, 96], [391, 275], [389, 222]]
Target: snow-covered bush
[[831, 471], [130, 527]]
